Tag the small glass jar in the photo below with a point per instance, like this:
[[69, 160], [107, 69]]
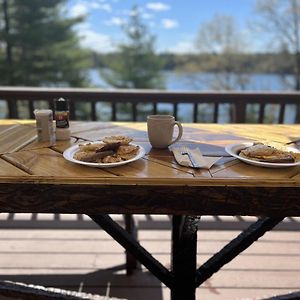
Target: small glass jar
[[62, 114]]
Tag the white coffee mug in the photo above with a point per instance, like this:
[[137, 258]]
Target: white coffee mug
[[160, 130]]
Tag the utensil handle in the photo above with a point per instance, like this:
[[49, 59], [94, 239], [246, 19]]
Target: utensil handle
[[180, 132], [191, 158]]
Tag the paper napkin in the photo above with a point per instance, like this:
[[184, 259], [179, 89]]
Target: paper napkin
[[184, 160]]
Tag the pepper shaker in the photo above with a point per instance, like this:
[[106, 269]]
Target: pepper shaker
[[62, 113]]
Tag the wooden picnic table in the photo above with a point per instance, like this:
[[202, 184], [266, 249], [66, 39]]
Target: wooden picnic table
[[35, 178]]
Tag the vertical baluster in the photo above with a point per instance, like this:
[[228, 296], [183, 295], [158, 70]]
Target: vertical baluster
[[114, 111], [231, 113], [72, 110], [93, 110], [216, 112], [261, 113], [31, 109], [13, 112], [175, 109], [281, 113], [134, 112], [154, 108], [195, 112], [240, 111], [51, 104]]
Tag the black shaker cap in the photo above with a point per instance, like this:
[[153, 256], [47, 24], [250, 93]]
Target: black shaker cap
[[61, 104]]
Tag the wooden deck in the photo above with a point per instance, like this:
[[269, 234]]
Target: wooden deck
[[43, 249]]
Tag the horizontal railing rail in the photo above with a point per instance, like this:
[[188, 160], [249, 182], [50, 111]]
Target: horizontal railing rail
[[254, 107]]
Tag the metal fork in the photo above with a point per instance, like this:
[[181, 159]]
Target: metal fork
[[185, 151]]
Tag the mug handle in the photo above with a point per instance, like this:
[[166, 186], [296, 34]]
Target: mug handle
[[180, 132]]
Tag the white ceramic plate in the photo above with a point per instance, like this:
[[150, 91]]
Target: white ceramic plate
[[69, 154], [234, 150]]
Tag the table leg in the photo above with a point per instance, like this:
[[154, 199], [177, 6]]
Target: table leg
[[131, 262], [235, 247], [131, 245], [184, 256]]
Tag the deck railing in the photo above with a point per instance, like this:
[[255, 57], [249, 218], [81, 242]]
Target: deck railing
[[243, 107]]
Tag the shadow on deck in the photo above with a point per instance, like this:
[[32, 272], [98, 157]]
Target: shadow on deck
[[67, 251]]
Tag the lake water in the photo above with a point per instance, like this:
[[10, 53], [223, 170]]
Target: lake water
[[203, 81]]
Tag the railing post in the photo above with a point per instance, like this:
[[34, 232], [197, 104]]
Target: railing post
[[216, 112], [154, 108], [12, 109], [261, 115], [175, 109], [93, 111], [240, 112], [114, 111], [195, 113], [72, 110], [134, 112]]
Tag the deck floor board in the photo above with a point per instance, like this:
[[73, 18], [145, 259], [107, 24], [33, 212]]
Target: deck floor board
[[88, 257]]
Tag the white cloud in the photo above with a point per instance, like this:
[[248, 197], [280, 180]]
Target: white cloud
[[78, 9], [102, 6], [115, 21], [157, 6], [169, 23], [93, 40], [84, 7], [147, 16], [183, 47]]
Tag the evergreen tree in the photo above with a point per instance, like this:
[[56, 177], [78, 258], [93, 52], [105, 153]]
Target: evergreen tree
[[39, 45], [136, 65]]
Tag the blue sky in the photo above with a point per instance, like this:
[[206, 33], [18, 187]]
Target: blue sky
[[175, 23]]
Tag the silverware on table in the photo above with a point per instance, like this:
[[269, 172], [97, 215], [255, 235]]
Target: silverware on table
[[186, 151]]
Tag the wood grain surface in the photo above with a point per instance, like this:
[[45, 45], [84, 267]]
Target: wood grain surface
[[34, 177]]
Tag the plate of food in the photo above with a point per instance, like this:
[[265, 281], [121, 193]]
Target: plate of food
[[263, 155], [110, 152]]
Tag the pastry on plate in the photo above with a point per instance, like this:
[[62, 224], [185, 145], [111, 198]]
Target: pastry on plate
[[112, 149], [123, 140], [266, 153]]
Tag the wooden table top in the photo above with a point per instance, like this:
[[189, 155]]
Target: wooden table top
[[35, 177]]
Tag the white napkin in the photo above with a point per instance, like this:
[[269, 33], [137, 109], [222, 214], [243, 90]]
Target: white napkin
[[204, 162]]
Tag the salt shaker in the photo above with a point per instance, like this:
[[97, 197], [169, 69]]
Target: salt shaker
[[62, 113], [44, 125]]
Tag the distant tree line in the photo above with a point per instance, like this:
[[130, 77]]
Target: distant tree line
[[275, 63]]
